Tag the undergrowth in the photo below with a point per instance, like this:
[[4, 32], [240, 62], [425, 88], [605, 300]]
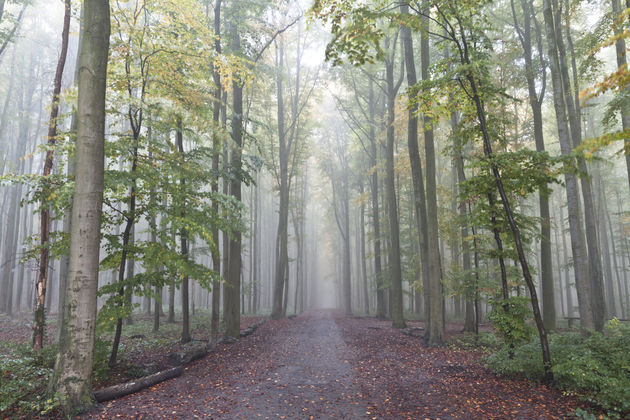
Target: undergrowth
[[596, 367], [24, 376]]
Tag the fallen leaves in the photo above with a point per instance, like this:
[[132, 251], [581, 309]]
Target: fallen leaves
[[327, 366]]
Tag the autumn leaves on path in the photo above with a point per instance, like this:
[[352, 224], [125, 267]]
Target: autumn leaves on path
[[321, 365]]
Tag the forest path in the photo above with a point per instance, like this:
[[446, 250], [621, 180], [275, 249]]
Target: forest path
[[290, 368], [322, 365]]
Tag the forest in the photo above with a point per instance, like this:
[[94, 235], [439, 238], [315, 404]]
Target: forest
[[315, 209]]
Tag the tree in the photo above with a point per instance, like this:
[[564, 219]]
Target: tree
[[459, 25], [536, 98], [337, 168], [435, 303], [73, 366], [38, 335], [7, 37], [232, 296], [420, 203], [216, 143], [582, 281], [285, 160]]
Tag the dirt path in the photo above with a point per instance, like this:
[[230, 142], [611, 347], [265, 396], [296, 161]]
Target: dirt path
[[288, 369], [323, 366]]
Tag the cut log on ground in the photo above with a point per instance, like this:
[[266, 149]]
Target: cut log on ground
[[117, 391], [192, 351]]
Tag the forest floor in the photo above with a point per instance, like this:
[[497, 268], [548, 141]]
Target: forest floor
[[322, 365]]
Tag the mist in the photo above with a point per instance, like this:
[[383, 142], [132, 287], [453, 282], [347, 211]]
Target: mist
[[453, 168]]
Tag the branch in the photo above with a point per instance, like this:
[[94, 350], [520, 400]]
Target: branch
[[262, 51]]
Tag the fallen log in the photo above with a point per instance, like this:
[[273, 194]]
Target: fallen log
[[117, 391], [192, 351]]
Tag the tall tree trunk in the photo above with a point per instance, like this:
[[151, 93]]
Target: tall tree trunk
[[183, 239], [9, 255], [366, 296], [216, 146], [398, 320], [232, 292], [73, 368], [256, 246], [420, 207], [575, 130], [471, 289], [580, 257], [435, 331], [535, 101], [125, 262], [376, 221], [347, 272], [282, 258], [67, 219]]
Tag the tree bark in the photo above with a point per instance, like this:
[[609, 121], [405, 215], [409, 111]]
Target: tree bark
[[598, 305], [580, 257], [376, 221], [183, 239], [233, 289], [535, 101], [609, 288], [73, 368], [282, 258], [117, 391], [434, 334], [420, 206], [67, 219], [363, 268], [398, 320], [216, 146]]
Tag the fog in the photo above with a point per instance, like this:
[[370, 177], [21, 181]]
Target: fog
[[321, 154]]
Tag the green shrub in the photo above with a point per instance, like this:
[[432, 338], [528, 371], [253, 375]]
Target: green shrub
[[508, 318], [24, 378], [594, 367], [23, 381], [100, 364], [482, 341]]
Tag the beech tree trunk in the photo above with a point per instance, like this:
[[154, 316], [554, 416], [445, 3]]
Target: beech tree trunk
[[535, 101], [282, 257], [233, 288], [73, 368], [216, 146], [363, 268], [434, 334], [420, 206], [183, 239], [67, 219], [398, 320], [580, 257], [376, 221], [598, 305]]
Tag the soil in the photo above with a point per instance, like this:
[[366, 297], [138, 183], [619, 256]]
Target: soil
[[322, 365]]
